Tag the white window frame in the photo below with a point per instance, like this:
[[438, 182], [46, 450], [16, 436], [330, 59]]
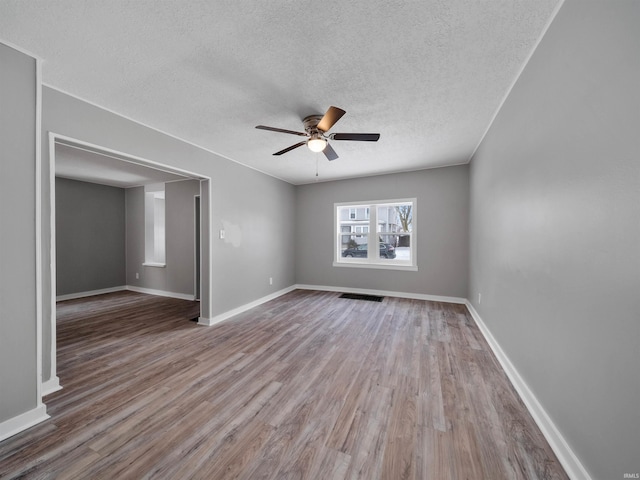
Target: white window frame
[[373, 260]]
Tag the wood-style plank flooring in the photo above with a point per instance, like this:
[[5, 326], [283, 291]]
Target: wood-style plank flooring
[[307, 386]]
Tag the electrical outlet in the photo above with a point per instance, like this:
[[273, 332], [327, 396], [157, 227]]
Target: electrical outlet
[[479, 298], [221, 234], [137, 276], [270, 280]]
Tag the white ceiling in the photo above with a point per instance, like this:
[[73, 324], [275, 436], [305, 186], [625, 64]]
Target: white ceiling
[[79, 163], [428, 75]]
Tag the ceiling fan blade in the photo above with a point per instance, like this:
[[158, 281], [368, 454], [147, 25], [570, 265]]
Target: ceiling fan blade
[[330, 118], [329, 152], [281, 130], [288, 149], [358, 137]]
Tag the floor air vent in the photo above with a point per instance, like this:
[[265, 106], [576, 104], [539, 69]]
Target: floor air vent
[[357, 296]]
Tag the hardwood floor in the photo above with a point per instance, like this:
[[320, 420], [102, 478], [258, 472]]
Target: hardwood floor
[[305, 386]]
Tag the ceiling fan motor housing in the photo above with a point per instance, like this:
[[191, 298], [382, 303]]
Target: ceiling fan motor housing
[[311, 124]]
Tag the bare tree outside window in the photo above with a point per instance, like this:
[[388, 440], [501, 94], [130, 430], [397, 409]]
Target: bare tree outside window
[[405, 216]]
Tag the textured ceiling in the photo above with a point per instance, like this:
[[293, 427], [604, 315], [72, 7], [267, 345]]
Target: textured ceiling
[[427, 75]]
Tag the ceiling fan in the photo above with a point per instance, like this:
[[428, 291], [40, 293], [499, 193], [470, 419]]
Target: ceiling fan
[[316, 127]]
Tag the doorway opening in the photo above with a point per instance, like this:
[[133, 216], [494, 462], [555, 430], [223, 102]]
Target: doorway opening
[[78, 160]]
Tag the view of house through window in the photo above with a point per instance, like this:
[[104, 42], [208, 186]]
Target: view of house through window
[[154, 225], [388, 224]]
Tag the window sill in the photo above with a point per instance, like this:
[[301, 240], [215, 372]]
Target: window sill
[[152, 264], [380, 266]]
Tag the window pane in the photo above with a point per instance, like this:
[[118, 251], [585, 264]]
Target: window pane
[[397, 246], [353, 222], [353, 215], [353, 245]]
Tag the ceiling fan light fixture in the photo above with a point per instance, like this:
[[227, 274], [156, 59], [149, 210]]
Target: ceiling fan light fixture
[[316, 128], [316, 144]]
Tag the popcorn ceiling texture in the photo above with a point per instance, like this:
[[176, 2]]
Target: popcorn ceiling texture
[[427, 75]]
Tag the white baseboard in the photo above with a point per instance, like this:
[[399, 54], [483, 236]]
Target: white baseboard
[[248, 306], [207, 322], [150, 291], [384, 293], [50, 386], [558, 444], [17, 424], [160, 293], [72, 296]]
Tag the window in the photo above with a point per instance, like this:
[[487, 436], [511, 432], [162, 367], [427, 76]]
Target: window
[[389, 224], [154, 225]]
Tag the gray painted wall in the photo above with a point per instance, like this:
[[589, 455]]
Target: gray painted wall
[[90, 233], [257, 209], [179, 274], [258, 219], [555, 230], [442, 231], [18, 386]]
